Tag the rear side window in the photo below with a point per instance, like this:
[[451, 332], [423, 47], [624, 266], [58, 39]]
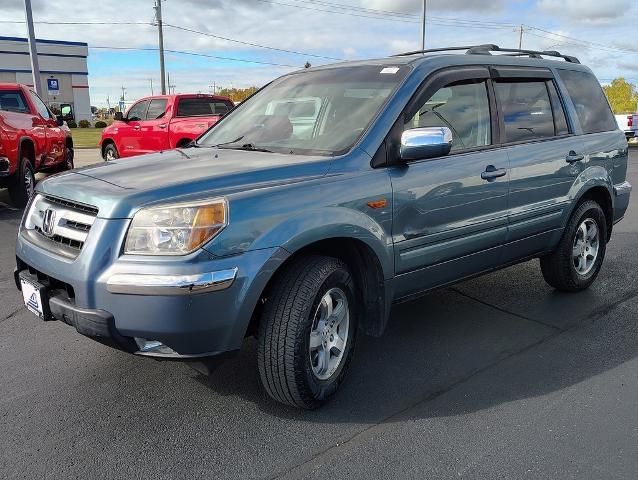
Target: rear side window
[[591, 104], [462, 107], [560, 120], [13, 101], [199, 107], [157, 109], [526, 110]]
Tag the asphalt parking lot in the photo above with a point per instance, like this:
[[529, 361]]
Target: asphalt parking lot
[[498, 377]]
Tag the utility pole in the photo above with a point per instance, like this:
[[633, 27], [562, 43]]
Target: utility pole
[[33, 49], [425, 2], [158, 16], [123, 92], [152, 93], [520, 38]]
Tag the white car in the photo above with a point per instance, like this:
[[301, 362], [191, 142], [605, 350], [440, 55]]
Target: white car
[[628, 123]]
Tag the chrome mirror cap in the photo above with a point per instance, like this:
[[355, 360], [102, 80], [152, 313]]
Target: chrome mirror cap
[[427, 142]]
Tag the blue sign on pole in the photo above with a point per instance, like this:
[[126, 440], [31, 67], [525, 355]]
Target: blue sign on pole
[[53, 85]]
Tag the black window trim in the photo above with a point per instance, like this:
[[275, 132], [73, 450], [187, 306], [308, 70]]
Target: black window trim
[[387, 154], [430, 85]]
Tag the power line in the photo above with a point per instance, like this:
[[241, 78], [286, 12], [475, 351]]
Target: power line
[[305, 54]]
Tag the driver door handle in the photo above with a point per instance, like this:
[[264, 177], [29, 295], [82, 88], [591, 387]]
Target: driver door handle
[[491, 173], [136, 127], [162, 125]]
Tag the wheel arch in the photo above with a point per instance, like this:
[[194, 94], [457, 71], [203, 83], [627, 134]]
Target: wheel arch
[[106, 142], [601, 194], [373, 295], [26, 146]]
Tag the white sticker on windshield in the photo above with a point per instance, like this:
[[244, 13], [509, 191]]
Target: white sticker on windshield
[[390, 70]]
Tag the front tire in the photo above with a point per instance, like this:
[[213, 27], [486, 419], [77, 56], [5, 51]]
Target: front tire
[[575, 264], [111, 153], [307, 332], [23, 186]]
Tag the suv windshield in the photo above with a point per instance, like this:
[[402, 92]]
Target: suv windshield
[[320, 112]]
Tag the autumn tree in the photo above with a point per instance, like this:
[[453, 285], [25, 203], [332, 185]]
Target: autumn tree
[[237, 94], [622, 95]]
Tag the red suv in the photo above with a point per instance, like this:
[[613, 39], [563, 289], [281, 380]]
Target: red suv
[[162, 123], [32, 139]]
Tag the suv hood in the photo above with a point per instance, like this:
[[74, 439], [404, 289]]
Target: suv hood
[[121, 187]]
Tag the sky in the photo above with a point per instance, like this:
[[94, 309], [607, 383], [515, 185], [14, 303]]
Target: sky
[[602, 33]]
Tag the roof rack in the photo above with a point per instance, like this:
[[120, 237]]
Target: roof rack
[[487, 49]]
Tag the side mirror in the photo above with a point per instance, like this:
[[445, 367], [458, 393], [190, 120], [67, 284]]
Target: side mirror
[[59, 119], [428, 142], [119, 116]]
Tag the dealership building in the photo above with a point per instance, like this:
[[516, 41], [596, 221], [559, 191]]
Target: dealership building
[[64, 77]]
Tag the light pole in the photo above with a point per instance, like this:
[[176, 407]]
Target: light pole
[[425, 2], [33, 49], [158, 15]]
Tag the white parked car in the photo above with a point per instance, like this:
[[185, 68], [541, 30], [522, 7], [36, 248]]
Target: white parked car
[[628, 123]]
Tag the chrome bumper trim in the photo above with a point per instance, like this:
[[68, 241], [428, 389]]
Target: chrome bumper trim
[[623, 188], [145, 284]]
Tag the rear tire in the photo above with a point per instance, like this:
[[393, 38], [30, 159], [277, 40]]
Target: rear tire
[[111, 153], [575, 264], [69, 156], [23, 185], [307, 332]]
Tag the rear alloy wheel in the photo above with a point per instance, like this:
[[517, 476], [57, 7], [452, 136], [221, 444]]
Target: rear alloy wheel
[[575, 264], [307, 332], [23, 185], [111, 153]]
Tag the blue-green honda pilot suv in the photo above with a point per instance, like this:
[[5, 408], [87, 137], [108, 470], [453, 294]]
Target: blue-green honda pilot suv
[[327, 196]]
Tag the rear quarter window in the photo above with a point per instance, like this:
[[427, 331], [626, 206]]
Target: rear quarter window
[[591, 105], [201, 107], [13, 101]]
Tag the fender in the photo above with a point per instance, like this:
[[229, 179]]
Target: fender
[[310, 226], [589, 178]]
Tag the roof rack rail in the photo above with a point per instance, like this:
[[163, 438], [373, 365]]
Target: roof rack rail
[[487, 49]]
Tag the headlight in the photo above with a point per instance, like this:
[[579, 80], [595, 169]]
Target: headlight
[[176, 229]]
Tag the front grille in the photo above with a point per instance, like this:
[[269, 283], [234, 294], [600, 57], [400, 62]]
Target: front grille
[[46, 280], [61, 221], [72, 205], [62, 240]]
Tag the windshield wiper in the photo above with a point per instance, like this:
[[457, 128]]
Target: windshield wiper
[[250, 147]]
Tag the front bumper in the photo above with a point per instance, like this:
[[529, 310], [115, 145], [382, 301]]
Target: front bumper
[[198, 305]]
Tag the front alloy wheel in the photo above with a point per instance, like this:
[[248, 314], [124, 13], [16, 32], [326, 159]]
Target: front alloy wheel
[[307, 331], [329, 334]]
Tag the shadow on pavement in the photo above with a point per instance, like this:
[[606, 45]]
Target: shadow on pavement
[[437, 342]]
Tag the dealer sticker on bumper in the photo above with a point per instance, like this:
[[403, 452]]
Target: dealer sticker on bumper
[[32, 298]]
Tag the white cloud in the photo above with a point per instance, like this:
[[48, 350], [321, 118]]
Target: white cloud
[[586, 11]]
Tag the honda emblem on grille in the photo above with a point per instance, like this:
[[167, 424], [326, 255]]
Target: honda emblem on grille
[[48, 222]]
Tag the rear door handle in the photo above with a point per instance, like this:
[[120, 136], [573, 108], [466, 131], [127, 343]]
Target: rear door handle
[[137, 127], [491, 172], [162, 125], [574, 157]]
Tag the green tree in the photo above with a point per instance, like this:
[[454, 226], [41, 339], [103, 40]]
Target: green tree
[[622, 95]]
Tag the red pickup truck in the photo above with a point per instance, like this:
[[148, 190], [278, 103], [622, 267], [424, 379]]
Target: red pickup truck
[[161, 123], [32, 139]]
